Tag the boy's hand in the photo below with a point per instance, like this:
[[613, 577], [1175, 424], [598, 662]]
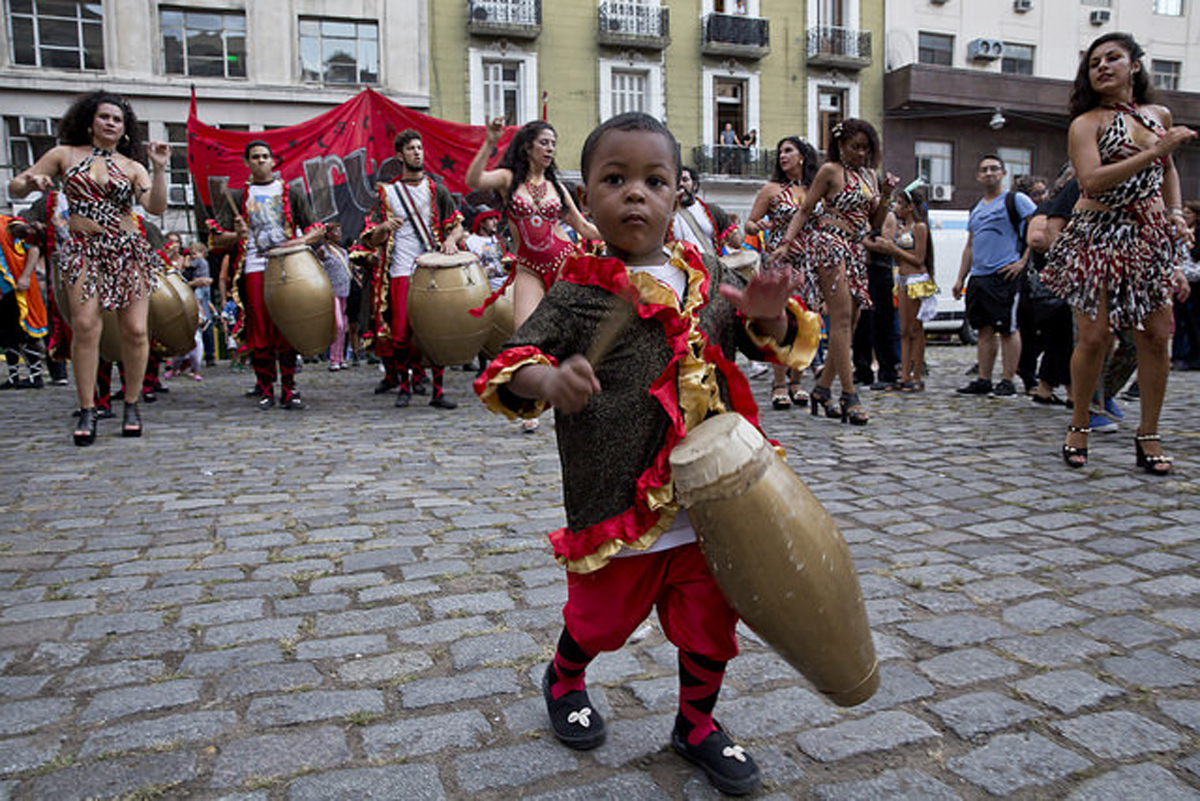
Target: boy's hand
[[569, 386], [765, 297]]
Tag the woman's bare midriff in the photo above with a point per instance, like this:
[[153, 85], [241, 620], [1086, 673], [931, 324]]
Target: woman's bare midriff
[[86, 225]]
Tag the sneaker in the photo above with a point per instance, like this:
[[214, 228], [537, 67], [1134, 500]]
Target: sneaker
[[1004, 389], [293, 402], [575, 722], [1134, 392], [403, 398], [980, 386], [149, 396], [1102, 424], [266, 402], [728, 767], [1112, 410], [421, 386], [384, 386], [61, 382], [442, 402]]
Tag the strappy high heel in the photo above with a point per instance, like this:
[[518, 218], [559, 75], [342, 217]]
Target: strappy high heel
[[1073, 456], [797, 393], [852, 410], [779, 397], [820, 398], [131, 425], [1151, 463], [87, 424]]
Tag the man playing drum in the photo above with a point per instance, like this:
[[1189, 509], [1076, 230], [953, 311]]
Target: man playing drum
[[263, 215], [415, 215], [705, 225]]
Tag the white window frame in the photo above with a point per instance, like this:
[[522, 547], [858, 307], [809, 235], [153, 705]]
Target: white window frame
[[1014, 156], [1176, 75], [37, 17], [1169, 8], [527, 99], [358, 42], [708, 76], [1033, 50], [654, 85], [833, 81], [947, 157], [709, 7], [223, 13], [851, 14]]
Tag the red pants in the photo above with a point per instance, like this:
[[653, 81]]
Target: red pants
[[605, 607], [261, 333], [400, 345]]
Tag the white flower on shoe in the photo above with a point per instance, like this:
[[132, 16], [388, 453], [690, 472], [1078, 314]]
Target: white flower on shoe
[[582, 717], [735, 751]]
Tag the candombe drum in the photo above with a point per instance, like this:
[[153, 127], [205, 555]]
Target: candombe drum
[[300, 298], [500, 317], [777, 555], [441, 293], [743, 262], [174, 314], [110, 326]]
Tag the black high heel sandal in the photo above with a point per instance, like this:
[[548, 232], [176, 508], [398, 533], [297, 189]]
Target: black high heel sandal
[[87, 424], [852, 411], [131, 426], [1077, 457], [1150, 463], [821, 397], [779, 397], [797, 393]]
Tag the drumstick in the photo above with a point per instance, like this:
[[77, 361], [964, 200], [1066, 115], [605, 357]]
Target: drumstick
[[607, 332]]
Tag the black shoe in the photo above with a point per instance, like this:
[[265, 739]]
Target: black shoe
[[131, 426], [104, 413], [403, 398], [162, 389], [881, 385], [36, 382], [728, 767], [86, 425], [253, 392], [575, 722], [10, 384], [442, 402], [266, 402], [1004, 389], [384, 386], [421, 386], [148, 396], [980, 386], [292, 401], [1047, 400]]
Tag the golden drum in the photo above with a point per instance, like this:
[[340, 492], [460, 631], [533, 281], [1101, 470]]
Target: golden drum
[[500, 316], [777, 555], [299, 298], [174, 314], [441, 293]]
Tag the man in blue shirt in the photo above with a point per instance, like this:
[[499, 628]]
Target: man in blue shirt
[[994, 256]]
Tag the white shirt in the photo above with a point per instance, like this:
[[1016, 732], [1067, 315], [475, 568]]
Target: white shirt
[[406, 243], [684, 232], [264, 216]]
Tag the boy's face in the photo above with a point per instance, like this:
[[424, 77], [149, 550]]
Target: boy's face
[[630, 193], [261, 162]]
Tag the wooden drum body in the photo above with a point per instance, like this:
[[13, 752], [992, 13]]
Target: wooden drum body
[[299, 298], [174, 314], [500, 316], [441, 293], [743, 262], [777, 555]]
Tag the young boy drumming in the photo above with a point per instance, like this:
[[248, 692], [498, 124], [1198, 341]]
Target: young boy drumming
[[628, 547]]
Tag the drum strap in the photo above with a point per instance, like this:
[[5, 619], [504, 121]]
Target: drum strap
[[414, 216], [705, 242]]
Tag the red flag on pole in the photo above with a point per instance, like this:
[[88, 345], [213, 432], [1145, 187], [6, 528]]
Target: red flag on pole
[[545, 106]]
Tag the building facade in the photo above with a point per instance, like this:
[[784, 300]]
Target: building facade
[[253, 66], [994, 76]]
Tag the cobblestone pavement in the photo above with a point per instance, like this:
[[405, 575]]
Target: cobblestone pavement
[[356, 601]]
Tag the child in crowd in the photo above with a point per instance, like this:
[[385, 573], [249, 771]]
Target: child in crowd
[[628, 546]]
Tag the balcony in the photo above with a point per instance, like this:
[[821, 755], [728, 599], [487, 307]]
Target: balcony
[[734, 160], [518, 19], [634, 25], [839, 47], [735, 35]]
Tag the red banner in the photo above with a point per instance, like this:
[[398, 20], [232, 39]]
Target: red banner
[[337, 156]]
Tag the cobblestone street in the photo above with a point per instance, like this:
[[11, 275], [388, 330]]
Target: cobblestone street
[[356, 601]]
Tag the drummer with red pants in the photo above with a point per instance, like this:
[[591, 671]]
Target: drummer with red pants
[[263, 215], [628, 547], [415, 215]]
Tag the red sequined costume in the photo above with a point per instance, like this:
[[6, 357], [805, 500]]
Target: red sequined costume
[[540, 249], [117, 266]]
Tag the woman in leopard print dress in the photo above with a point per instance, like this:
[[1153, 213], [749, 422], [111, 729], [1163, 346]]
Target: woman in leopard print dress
[[1117, 261]]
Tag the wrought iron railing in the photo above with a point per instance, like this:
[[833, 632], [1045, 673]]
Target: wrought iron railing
[[746, 162], [634, 19], [839, 44], [737, 31], [484, 15]]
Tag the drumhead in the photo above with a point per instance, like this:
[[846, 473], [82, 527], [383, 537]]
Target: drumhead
[[287, 248], [440, 261], [740, 260]]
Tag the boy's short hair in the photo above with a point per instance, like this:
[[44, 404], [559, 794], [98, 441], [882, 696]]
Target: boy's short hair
[[404, 137], [253, 144], [629, 121]]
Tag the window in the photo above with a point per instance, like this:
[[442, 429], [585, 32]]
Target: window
[[628, 89], [29, 138], [730, 97], [179, 179], [935, 162], [57, 33], [502, 90], [629, 84], [503, 83], [1018, 161], [1165, 74], [831, 109], [204, 43], [1018, 59], [1173, 8], [339, 51], [935, 48]]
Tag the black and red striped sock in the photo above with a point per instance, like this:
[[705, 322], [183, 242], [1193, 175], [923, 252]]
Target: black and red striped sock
[[570, 662], [699, 685], [263, 364]]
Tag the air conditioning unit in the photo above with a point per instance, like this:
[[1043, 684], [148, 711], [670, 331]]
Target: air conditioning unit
[[937, 2], [941, 192], [1021, 6], [985, 49], [36, 126], [1100, 16], [180, 195]]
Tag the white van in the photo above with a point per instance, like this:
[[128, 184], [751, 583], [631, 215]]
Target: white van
[[948, 228]]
